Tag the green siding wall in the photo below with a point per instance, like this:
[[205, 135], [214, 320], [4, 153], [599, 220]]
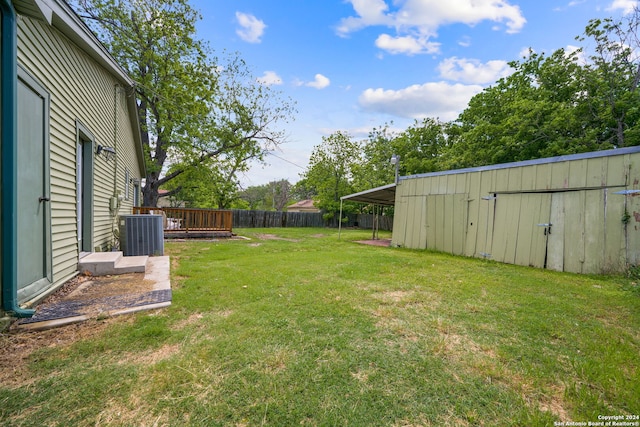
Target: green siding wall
[[81, 91]]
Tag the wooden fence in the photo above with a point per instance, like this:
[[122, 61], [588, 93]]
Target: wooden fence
[[264, 219], [184, 220]]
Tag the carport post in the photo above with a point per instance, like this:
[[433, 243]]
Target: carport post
[[373, 222], [340, 220]]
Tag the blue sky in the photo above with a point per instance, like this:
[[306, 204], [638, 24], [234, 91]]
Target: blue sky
[[353, 65]]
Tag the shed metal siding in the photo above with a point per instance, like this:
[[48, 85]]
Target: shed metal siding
[[495, 212], [81, 90]]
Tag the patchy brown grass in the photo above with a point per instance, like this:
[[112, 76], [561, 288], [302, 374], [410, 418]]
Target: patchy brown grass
[[16, 348]]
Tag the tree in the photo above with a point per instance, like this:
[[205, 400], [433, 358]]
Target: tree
[[192, 107], [530, 114], [330, 171], [375, 169], [302, 190], [280, 193], [421, 146], [556, 104], [255, 196], [209, 184], [272, 196], [613, 76]]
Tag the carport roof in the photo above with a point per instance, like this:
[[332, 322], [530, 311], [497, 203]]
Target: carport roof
[[385, 196]]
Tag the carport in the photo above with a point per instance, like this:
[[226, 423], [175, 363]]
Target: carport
[[378, 197]]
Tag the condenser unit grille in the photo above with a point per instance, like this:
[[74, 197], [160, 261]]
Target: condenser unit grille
[[141, 235]]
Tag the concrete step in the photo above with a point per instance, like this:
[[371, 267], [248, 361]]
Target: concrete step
[[108, 263]]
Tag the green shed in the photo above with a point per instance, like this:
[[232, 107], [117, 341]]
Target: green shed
[[577, 213]]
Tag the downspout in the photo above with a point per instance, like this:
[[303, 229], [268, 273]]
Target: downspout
[[115, 199], [9, 161]]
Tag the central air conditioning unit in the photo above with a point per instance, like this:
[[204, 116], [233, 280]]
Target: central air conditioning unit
[[141, 235]]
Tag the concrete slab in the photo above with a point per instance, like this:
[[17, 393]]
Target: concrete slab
[[94, 257], [99, 263], [158, 272], [131, 264], [50, 324], [108, 263]]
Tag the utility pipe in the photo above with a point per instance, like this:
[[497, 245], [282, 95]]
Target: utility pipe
[[9, 84]]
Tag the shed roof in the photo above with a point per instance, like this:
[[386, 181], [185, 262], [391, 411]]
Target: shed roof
[[385, 196], [557, 159]]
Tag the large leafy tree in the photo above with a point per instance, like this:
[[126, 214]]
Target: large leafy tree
[[529, 114], [210, 184], [375, 169], [192, 106], [612, 77], [566, 102], [331, 170], [421, 146]]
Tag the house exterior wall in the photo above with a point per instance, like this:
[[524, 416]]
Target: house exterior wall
[[82, 93], [560, 213]]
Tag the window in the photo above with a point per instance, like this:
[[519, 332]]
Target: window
[[136, 193]]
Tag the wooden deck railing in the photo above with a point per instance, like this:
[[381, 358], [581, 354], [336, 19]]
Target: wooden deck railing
[[195, 220]]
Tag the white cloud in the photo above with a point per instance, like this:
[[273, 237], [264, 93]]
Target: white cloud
[[251, 28], [417, 21], [270, 78], [473, 71], [572, 3], [626, 6], [370, 12], [526, 52], [582, 57], [408, 44], [320, 82], [438, 99]]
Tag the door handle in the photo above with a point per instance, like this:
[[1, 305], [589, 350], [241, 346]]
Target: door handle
[[43, 199], [547, 228]]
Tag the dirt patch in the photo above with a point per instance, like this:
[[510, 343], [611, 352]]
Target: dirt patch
[[274, 237], [106, 286], [375, 242], [67, 288], [193, 319], [393, 296]]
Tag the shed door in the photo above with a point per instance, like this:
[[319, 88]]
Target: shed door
[[446, 222], [521, 228], [34, 213]]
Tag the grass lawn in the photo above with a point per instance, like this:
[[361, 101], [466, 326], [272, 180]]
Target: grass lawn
[[296, 327]]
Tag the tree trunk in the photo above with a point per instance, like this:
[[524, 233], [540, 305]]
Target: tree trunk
[[150, 191]]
